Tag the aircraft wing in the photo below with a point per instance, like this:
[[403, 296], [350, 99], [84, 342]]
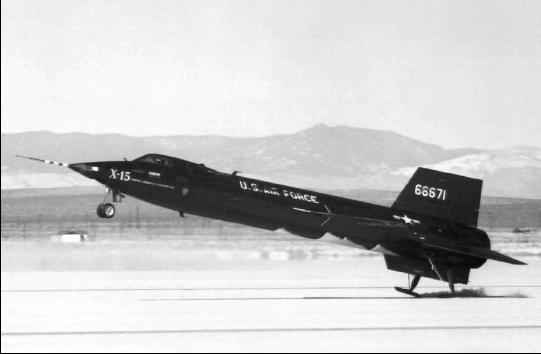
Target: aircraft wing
[[366, 232], [348, 219]]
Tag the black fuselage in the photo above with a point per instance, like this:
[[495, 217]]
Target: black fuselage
[[429, 231], [195, 189]]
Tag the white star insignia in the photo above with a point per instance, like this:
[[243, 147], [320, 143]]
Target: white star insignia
[[406, 219]]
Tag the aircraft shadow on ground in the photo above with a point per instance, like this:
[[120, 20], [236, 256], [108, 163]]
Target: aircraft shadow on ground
[[463, 293], [444, 294], [470, 293]]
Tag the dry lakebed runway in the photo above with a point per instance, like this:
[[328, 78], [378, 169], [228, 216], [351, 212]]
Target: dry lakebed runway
[[244, 305]]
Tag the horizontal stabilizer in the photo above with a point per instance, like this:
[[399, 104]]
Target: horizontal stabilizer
[[477, 252]]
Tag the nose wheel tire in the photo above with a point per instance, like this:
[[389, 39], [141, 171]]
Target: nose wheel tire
[[106, 210]]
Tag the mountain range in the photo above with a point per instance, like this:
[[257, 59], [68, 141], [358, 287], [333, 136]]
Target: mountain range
[[321, 157]]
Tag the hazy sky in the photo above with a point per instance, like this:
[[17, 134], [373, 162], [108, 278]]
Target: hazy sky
[[455, 73]]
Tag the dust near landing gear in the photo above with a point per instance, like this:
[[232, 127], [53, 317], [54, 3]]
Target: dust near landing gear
[[106, 210]]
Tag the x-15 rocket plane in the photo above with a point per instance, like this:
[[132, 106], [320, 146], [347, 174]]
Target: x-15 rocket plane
[[429, 231]]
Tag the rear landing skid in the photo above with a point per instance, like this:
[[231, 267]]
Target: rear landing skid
[[415, 281], [407, 291], [412, 286]]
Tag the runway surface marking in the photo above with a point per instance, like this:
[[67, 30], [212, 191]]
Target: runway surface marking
[[241, 330], [247, 288], [398, 297]]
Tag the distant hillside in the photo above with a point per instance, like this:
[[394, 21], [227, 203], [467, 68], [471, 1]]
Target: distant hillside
[[321, 157]]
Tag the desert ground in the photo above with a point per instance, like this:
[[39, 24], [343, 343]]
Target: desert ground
[[221, 301]]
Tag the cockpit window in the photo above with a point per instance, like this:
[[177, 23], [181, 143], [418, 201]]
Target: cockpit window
[[178, 165], [156, 160]]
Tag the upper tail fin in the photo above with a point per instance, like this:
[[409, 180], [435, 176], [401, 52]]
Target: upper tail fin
[[442, 195]]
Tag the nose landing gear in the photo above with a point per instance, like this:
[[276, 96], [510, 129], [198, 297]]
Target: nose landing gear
[[107, 210]]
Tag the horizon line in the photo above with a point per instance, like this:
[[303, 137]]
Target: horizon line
[[265, 136]]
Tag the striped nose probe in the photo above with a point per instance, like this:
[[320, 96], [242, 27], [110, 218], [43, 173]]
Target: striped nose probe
[[62, 164]]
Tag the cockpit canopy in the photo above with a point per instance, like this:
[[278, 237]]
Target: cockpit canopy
[[157, 160], [178, 165]]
